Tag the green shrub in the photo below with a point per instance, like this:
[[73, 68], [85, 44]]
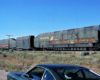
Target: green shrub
[[4, 55], [73, 56], [0, 52], [2, 64], [65, 52], [95, 60], [11, 50], [84, 53], [2, 49], [91, 53]]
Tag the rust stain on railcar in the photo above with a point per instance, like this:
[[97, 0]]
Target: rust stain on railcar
[[90, 40], [49, 42], [57, 42], [79, 40], [6, 45], [63, 41]]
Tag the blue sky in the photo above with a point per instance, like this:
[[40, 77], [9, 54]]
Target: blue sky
[[32, 17]]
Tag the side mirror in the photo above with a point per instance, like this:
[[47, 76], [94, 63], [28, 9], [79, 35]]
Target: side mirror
[[26, 75]]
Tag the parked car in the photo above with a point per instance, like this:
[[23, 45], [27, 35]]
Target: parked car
[[55, 72]]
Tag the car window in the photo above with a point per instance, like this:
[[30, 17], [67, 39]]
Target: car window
[[48, 76], [90, 75], [38, 69], [36, 73], [70, 70], [78, 74]]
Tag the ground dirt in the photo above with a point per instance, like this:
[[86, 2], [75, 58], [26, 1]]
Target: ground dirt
[[3, 75]]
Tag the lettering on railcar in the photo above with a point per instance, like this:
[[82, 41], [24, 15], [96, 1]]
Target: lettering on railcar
[[44, 38], [71, 41], [51, 38]]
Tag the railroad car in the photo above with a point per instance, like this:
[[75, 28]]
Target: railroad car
[[25, 43], [8, 44], [4, 44], [86, 38]]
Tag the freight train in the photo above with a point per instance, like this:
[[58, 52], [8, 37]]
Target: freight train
[[85, 38]]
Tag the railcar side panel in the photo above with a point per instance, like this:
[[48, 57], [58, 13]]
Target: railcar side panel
[[12, 43], [5, 44], [19, 43]]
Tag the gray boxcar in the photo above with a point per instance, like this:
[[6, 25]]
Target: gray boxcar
[[25, 42]]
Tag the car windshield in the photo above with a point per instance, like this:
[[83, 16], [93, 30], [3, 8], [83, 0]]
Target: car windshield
[[79, 74]]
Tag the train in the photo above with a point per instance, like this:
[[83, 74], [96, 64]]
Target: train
[[78, 39]]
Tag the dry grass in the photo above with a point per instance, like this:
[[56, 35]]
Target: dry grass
[[22, 61]]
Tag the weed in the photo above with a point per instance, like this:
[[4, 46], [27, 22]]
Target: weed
[[73, 56], [22, 61], [4, 55], [95, 60], [65, 52], [84, 53], [0, 52], [2, 64]]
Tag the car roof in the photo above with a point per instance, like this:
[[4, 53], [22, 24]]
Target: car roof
[[58, 66]]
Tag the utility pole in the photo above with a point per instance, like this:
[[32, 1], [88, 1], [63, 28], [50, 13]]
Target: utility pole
[[9, 41]]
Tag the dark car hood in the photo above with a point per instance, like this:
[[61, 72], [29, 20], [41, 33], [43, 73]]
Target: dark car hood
[[15, 75], [18, 73]]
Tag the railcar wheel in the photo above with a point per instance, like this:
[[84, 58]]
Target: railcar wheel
[[90, 49], [74, 48], [84, 49], [63, 49], [44, 49], [78, 49], [71, 48]]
